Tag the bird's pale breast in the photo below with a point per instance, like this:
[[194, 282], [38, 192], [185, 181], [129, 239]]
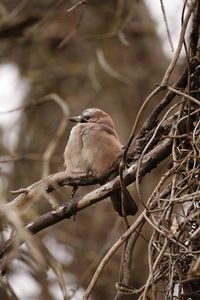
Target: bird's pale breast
[[91, 148]]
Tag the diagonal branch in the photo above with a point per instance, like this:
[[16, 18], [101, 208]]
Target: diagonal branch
[[149, 162]]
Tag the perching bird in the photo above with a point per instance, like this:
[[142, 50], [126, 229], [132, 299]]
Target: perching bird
[[92, 148]]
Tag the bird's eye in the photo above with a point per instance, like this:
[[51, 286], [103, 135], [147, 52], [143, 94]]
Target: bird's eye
[[85, 117]]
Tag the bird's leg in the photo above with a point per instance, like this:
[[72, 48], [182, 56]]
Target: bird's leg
[[88, 172], [74, 189]]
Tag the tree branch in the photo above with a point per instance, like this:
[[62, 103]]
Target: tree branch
[[149, 162]]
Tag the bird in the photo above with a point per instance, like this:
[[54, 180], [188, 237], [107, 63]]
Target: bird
[[92, 148]]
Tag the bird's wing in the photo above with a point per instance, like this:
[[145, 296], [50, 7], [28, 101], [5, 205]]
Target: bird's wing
[[101, 148]]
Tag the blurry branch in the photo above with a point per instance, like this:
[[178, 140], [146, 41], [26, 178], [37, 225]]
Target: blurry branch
[[107, 245], [93, 77], [25, 156], [72, 33], [47, 155], [28, 106], [111, 252], [107, 68], [79, 3], [7, 287], [116, 28], [15, 13], [166, 25], [59, 133], [16, 28], [23, 235], [57, 269]]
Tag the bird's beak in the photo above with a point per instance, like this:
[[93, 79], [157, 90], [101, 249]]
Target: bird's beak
[[76, 119]]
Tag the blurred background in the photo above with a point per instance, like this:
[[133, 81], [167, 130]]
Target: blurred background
[[106, 54]]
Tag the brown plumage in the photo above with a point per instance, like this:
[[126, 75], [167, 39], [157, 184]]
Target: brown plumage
[[92, 148]]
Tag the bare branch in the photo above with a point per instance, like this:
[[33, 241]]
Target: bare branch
[[67, 210], [79, 3]]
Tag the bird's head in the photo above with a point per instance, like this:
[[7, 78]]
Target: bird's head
[[93, 115]]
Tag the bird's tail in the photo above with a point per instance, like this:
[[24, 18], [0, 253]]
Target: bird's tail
[[130, 207]]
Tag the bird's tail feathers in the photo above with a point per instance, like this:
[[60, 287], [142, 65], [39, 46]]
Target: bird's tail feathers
[[130, 207]]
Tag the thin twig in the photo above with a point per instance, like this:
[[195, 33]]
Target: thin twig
[[79, 3], [166, 25], [110, 253]]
